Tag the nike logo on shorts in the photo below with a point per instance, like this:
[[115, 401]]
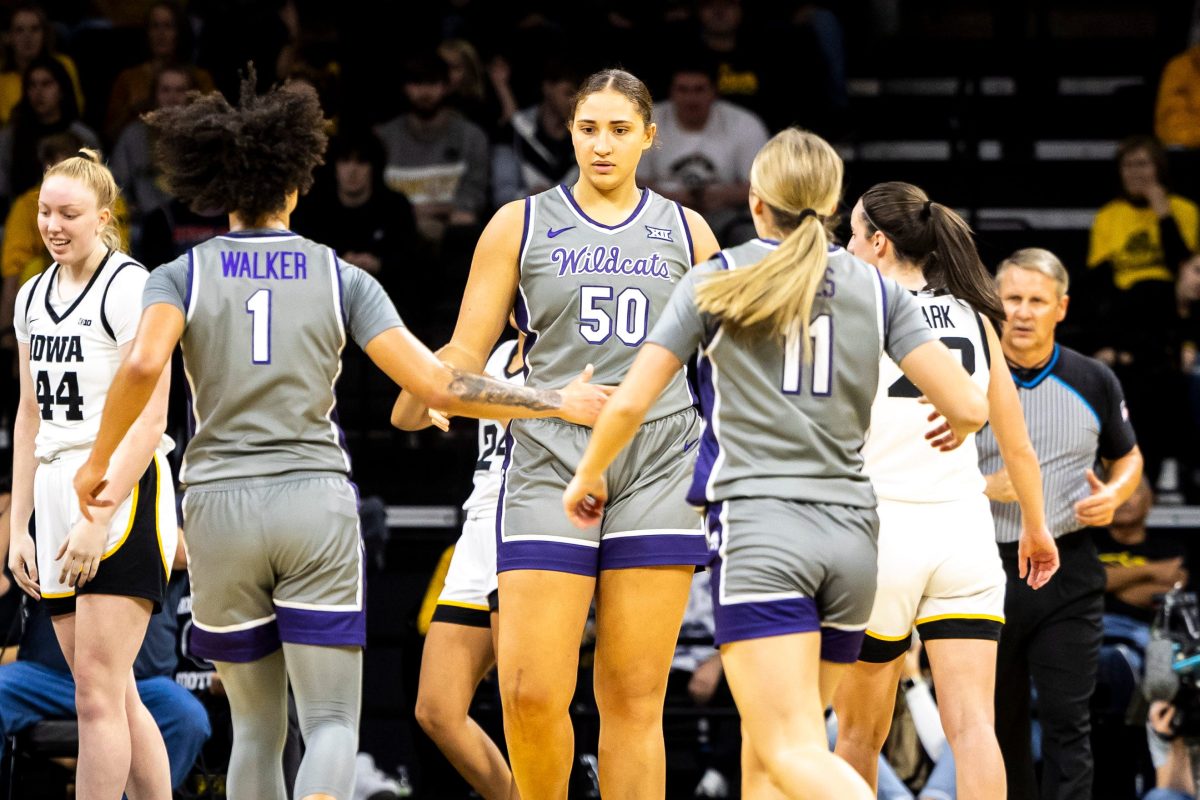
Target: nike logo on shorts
[[689, 445], [551, 233]]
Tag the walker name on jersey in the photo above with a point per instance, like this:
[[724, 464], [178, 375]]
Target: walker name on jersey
[[279, 265], [55, 349], [599, 259]]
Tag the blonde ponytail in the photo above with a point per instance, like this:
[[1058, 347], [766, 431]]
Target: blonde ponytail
[[88, 168], [794, 173]]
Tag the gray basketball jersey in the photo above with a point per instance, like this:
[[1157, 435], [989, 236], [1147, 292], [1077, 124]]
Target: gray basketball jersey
[[590, 293], [266, 314], [776, 426]]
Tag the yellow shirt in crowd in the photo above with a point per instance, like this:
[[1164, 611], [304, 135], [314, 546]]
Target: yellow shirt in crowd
[[1128, 236]]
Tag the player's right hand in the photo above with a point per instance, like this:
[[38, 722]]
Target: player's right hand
[[439, 420], [22, 562], [584, 500], [583, 401]]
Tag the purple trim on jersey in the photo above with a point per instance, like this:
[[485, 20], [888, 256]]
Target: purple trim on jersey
[[576, 559], [187, 295], [710, 448], [841, 647], [637, 209], [238, 647], [724, 260], [737, 622], [341, 298], [662, 550], [884, 298], [508, 448], [525, 229], [311, 626], [687, 232], [521, 313], [245, 234]]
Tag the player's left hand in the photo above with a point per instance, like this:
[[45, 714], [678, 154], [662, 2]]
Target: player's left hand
[[439, 420], [89, 482], [584, 500], [81, 552], [1098, 508], [1037, 557]]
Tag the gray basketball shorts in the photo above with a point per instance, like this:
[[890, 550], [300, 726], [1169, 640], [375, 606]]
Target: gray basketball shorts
[[274, 560], [785, 567], [646, 522]]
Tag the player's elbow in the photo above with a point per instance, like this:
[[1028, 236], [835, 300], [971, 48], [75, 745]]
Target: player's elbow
[[140, 369]]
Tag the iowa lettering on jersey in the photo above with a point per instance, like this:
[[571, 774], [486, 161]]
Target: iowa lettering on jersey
[[608, 261], [55, 349], [279, 265]]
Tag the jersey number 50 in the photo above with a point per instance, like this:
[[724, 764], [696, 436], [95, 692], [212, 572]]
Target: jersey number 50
[[631, 318]]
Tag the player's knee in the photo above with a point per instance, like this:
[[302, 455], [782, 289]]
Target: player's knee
[[330, 712], [93, 702], [968, 721], [434, 715], [863, 729], [632, 693], [529, 700]]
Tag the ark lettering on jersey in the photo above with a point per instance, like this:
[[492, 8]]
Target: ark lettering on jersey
[[279, 265], [600, 259], [937, 316], [55, 349]]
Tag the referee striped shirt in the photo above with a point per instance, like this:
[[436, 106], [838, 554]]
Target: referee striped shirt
[[1076, 415]]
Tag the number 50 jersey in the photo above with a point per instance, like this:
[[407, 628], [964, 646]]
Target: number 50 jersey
[[74, 348], [897, 456]]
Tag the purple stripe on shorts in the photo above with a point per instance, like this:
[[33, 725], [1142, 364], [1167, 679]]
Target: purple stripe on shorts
[[841, 647], [332, 628], [237, 647], [714, 529], [736, 622], [710, 448], [576, 559], [660, 550]]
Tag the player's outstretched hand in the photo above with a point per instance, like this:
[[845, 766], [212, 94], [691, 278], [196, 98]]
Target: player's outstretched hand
[[89, 483], [584, 500], [1037, 557], [583, 401]]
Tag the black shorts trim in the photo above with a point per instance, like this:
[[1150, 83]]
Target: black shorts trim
[[457, 615], [494, 600], [961, 628], [135, 568], [883, 651]]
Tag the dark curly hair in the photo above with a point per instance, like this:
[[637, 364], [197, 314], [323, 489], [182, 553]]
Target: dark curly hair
[[243, 160]]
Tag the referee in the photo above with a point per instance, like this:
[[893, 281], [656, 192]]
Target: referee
[[1079, 426]]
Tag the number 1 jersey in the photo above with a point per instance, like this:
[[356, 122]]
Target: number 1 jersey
[[267, 316], [74, 348]]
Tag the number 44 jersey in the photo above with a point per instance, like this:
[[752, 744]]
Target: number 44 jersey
[[897, 456], [267, 315], [74, 348]]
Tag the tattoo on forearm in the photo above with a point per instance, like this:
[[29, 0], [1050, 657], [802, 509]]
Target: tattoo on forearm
[[482, 389]]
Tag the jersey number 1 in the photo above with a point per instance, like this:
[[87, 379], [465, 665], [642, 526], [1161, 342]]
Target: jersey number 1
[[820, 331], [258, 306]]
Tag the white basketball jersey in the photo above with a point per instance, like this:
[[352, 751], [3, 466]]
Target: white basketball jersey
[[492, 440], [898, 458], [74, 348]]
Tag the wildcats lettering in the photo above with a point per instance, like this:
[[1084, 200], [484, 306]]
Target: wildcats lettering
[[278, 265], [56, 349], [607, 260]]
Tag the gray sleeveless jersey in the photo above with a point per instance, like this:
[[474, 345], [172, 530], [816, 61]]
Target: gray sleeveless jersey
[[267, 316], [774, 425], [590, 293]]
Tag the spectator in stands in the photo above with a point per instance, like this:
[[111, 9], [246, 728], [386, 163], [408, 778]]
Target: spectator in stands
[[30, 35], [172, 229], [534, 152], [357, 216], [169, 42], [1138, 242], [1172, 755], [48, 106], [742, 71], [435, 156], [1177, 112], [483, 95], [707, 146], [132, 160], [39, 685]]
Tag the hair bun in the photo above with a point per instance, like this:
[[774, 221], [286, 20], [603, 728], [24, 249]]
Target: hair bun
[[88, 154]]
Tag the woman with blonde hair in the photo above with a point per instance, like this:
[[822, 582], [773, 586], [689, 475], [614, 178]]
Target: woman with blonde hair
[[100, 577], [790, 332]]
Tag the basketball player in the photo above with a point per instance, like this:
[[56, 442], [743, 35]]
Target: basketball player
[[460, 646], [939, 569], [790, 335], [588, 268], [101, 577], [263, 315]]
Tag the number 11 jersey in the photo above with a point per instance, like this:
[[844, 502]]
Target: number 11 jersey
[[74, 348], [267, 316], [589, 293]]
